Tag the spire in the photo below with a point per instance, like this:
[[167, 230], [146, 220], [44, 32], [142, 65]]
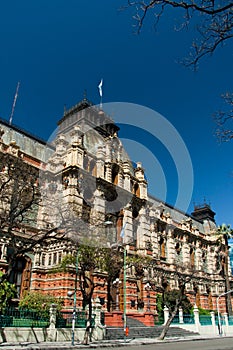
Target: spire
[[85, 95]]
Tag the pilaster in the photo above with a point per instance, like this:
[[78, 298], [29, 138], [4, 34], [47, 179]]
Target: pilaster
[[144, 233], [185, 251], [128, 231], [100, 162], [127, 178], [170, 246]]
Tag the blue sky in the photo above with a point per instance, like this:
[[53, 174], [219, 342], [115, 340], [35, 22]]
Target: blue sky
[[58, 48]]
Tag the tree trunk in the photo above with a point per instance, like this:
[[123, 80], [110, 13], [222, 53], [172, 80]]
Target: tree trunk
[[86, 338], [168, 323], [87, 335]]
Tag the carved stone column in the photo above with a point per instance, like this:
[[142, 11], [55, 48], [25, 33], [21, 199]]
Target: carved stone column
[[144, 232], [185, 251], [128, 231], [170, 245], [100, 162]]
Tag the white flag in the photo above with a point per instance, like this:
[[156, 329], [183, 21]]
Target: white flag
[[100, 88]]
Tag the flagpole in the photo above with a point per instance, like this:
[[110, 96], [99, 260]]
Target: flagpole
[[14, 103]]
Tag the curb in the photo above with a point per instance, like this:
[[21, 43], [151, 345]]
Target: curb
[[118, 343]]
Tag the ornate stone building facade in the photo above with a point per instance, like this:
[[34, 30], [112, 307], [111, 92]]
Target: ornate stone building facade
[[86, 169]]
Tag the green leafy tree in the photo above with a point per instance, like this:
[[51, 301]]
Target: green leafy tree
[[112, 263], [7, 293], [173, 301], [39, 302], [89, 258], [170, 300], [203, 312], [160, 307], [140, 264], [174, 298]]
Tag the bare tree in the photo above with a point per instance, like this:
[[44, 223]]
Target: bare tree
[[212, 25], [224, 119], [20, 200], [214, 21]]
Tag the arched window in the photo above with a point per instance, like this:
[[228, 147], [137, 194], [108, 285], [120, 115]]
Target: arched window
[[50, 259], [210, 301], [86, 164], [93, 167], [20, 274], [115, 171], [162, 249], [204, 261], [178, 252], [54, 258], [192, 257], [43, 259], [136, 189]]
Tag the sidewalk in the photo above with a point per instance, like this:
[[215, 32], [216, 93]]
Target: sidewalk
[[100, 344]]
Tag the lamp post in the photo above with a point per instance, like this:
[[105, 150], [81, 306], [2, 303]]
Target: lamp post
[[219, 318], [116, 283], [148, 288], [74, 293], [124, 314], [117, 245]]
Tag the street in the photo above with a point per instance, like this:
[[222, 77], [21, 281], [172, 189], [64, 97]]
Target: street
[[210, 344]]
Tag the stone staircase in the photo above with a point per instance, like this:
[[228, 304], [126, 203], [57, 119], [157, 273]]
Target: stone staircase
[[139, 330]]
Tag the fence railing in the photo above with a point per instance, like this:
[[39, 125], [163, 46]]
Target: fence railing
[[175, 319], [205, 320], [230, 320], [188, 319], [23, 318], [28, 318], [64, 319]]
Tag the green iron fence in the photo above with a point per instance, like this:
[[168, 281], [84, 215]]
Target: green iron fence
[[28, 318], [205, 320], [230, 320], [23, 318], [188, 319], [175, 319], [64, 319]]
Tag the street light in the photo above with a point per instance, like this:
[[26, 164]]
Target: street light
[[74, 293], [148, 288], [117, 246], [124, 314], [116, 285]]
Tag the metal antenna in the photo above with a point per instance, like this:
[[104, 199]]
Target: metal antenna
[[14, 103]]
